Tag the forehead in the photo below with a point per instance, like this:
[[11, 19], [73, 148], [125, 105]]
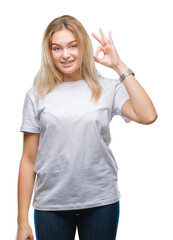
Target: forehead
[[63, 37]]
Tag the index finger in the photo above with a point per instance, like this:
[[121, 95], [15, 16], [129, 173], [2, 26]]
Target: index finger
[[98, 39], [105, 40]]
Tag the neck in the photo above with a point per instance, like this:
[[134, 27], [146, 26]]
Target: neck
[[72, 77]]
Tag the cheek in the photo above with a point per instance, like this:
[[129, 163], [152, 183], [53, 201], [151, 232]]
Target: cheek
[[54, 57], [76, 53]]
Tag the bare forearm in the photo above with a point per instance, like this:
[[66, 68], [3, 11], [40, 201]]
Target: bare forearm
[[142, 104], [26, 181]]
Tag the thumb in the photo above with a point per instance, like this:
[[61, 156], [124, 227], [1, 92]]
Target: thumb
[[99, 60], [99, 49], [30, 237]]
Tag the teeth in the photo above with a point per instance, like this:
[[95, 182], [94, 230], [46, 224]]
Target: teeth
[[67, 62]]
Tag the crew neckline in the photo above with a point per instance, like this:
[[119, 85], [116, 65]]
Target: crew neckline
[[73, 82]]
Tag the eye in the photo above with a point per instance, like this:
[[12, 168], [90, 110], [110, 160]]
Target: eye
[[74, 46], [57, 49]]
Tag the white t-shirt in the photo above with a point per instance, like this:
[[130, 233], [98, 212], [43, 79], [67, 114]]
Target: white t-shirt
[[75, 167]]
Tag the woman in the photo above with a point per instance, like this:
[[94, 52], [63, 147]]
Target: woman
[[66, 118]]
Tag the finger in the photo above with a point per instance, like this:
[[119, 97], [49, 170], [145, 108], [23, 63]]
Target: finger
[[99, 60], [97, 38], [31, 237], [99, 49], [105, 40], [110, 38]]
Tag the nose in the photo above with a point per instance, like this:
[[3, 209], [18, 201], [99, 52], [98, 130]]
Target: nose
[[65, 54]]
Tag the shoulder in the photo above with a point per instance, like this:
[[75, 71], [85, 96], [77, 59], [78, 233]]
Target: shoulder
[[32, 94], [109, 82]]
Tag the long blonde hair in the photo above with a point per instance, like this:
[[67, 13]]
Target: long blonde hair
[[49, 75]]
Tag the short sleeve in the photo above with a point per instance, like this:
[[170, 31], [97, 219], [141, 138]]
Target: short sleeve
[[119, 98], [30, 122]]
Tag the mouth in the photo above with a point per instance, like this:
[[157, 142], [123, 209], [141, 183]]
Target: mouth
[[67, 63]]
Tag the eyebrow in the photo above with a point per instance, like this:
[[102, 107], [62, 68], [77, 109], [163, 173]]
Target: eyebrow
[[67, 43]]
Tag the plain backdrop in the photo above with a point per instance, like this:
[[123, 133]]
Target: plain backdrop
[[142, 33]]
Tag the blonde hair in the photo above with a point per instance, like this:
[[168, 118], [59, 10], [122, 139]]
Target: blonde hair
[[49, 75]]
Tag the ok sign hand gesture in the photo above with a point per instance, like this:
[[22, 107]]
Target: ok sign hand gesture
[[111, 58]]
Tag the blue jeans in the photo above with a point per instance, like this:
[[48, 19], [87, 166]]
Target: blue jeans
[[98, 223]]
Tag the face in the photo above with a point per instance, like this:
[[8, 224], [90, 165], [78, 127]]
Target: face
[[65, 53]]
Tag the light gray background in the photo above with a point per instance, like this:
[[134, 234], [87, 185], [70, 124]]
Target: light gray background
[[142, 33]]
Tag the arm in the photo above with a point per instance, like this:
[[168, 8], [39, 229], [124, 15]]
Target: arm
[[26, 180], [139, 107]]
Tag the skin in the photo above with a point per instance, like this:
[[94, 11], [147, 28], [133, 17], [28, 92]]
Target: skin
[[26, 180], [65, 49], [138, 108]]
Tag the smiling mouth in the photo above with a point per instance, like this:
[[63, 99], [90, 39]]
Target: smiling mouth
[[67, 62]]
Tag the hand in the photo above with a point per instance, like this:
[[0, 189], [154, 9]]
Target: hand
[[24, 232], [111, 58]]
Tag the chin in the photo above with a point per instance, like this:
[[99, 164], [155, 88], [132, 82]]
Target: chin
[[69, 71]]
